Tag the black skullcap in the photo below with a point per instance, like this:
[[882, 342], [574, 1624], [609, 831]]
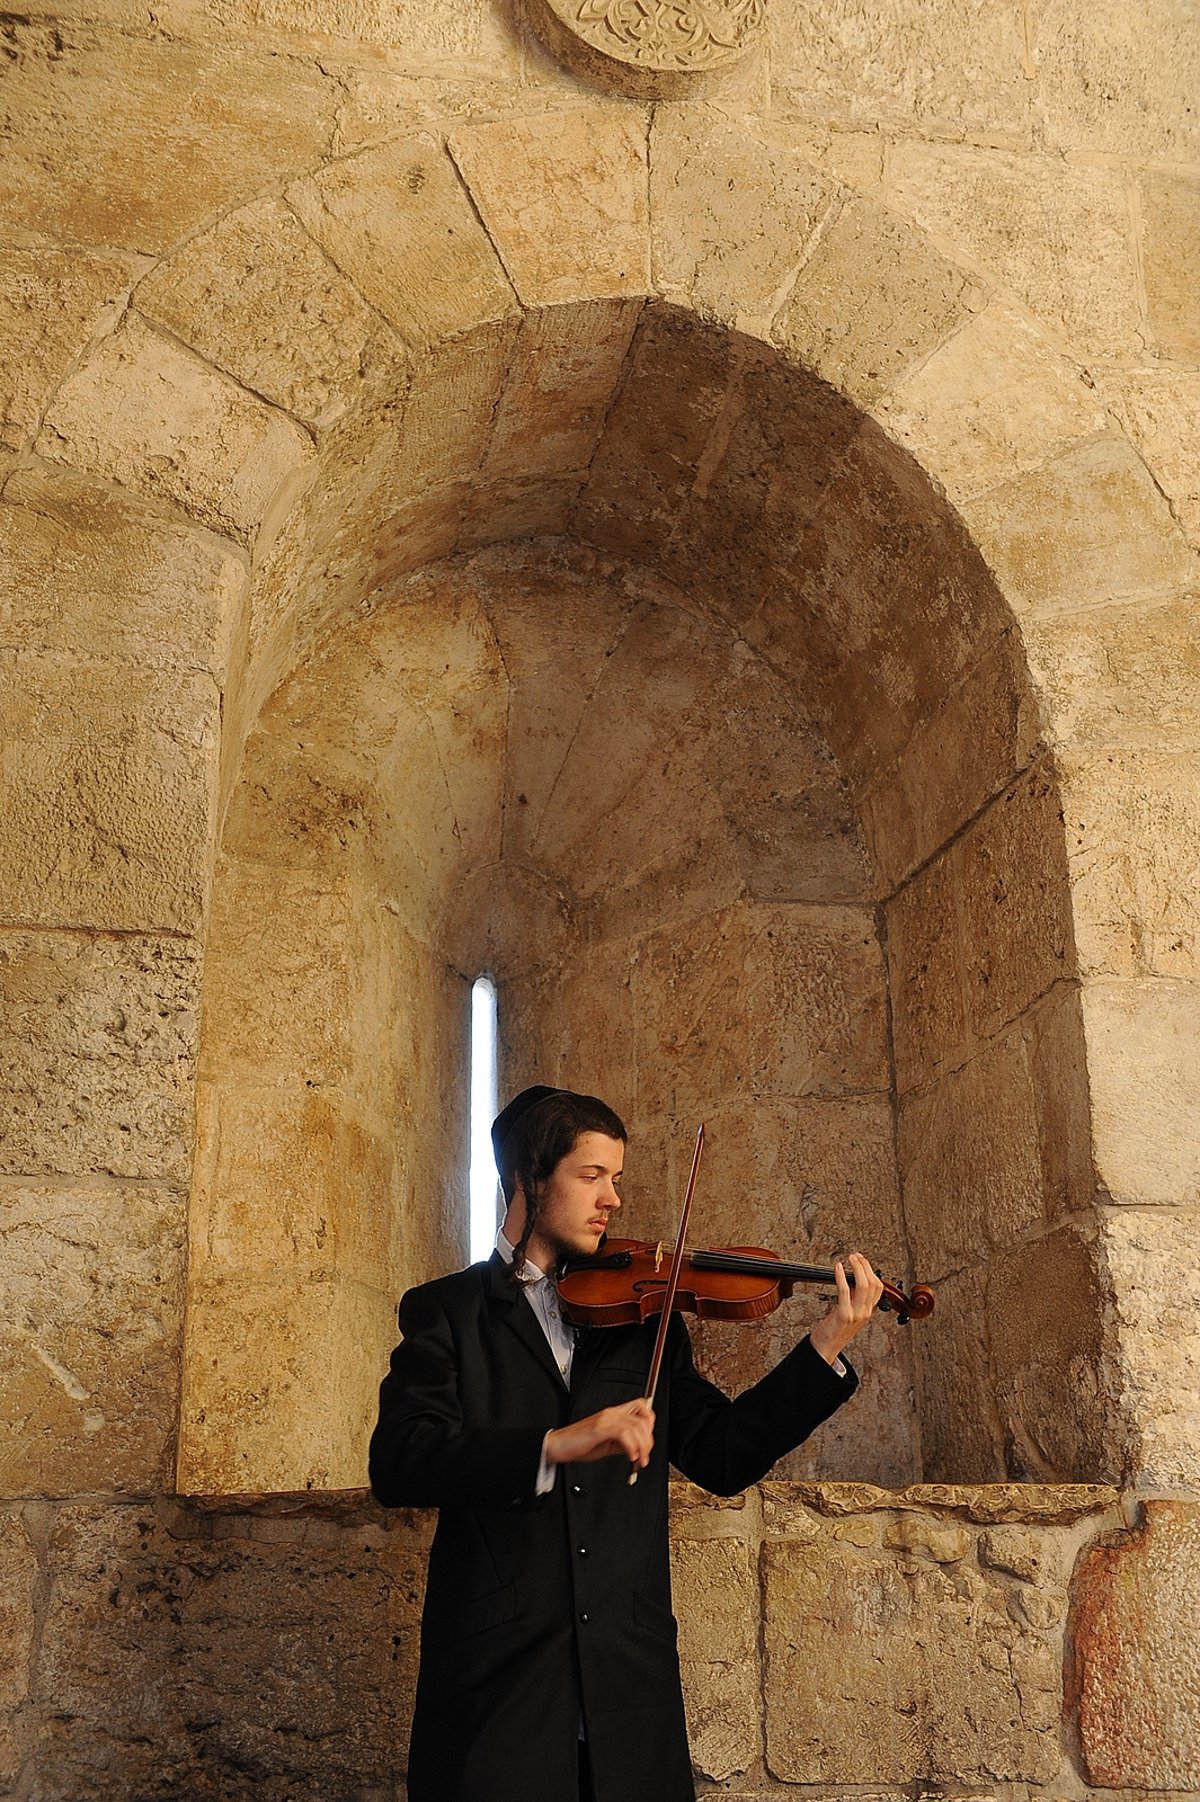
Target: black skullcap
[[520, 1104]]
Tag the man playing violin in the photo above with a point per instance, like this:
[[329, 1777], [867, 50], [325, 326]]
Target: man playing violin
[[548, 1664]]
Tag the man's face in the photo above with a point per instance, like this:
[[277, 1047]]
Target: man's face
[[579, 1198]]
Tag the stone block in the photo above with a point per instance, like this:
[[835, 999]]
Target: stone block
[[677, 378], [52, 303], [1133, 836], [908, 298], [502, 511], [560, 385], [98, 1053], [759, 1002], [1087, 528], [1116, 82], [996, 400], [970, 1160], [716, 1599], [86, 569], [960, 756], [904, 1668], [1153, 1261], [1171, 261], [942, 69], [961, 1437], [278, 976], [396, 220], [148, 415], [563, 197], [292, 1180], [780, 436], [256, 297], [229, 1663], [1159, 408], [216, 125], [93, 1314], [106, 785], [449, 412], [1143, 1040], [1134, 1631], [926, 956], [1016, 908], [1126, 676], [1055, 235], [732, 215], [18, 1580], [282, 1383], [1058, 1394], [461, 32]]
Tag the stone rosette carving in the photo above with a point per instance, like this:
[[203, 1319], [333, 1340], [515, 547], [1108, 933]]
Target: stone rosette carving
[[654, 45]]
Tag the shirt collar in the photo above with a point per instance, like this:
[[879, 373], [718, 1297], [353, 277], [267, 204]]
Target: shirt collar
[[530, 1273]]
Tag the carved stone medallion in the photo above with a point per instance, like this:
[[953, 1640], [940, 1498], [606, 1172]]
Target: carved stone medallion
[[662, 42]]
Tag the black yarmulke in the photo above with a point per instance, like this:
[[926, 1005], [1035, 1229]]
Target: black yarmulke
[[520, 1104]]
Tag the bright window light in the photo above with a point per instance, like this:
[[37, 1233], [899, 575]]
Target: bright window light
[[485, 1188]]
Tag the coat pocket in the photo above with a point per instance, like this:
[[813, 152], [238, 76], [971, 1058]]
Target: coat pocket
[[450, 1627]]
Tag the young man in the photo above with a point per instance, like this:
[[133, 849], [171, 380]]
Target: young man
[[548, 1665]]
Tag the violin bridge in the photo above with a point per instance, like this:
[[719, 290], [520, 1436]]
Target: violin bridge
[[658, 1257]]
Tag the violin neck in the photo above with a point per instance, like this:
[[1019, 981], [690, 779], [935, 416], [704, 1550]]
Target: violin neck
[[738, 1260]]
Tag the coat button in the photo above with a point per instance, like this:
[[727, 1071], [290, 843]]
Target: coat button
[[584, 1619], [582, 1550], [577, 1489]]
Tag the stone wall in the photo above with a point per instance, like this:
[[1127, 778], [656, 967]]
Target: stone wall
[[963, 1641]]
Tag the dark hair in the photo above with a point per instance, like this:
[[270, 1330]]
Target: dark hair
[[538, 1141]]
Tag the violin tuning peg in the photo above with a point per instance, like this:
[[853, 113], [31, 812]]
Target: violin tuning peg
[[902, 1320]]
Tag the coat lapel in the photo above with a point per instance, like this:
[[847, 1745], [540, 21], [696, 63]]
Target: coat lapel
[[520, 1318]]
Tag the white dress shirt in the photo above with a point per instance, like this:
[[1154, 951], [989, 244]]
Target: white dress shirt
[[539, 1291]]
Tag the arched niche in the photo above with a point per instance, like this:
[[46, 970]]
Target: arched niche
[[722, 759]]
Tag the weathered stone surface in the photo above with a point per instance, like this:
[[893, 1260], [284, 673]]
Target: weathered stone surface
[[97, 1056], [997, 399], [1133, 836], [959, 757], [1135, 1630], [86, 569], [1089, 527], [1171, 261], [258, 298], [715, 1597], [926, 973], [961, 1438], [51, 304], [1155, 1272], [884, 1662], [988, 1503], [1126, 676], [275, 1167], [1056, 235], [1016, 910], [564, 199], [397, 222], [731, 215], [1143, 1040], [106, 789], [93, 1311], [908, 299], [259, 1413], [1116, 81], [150, 416], [1160, 410], [455, 34], [149, 1682], [214, 126], [1057, 1393], [802, 983], [18, 1577], [948, 71], [560, 385]]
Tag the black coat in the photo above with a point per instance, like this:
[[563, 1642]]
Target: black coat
[[544, 1611]]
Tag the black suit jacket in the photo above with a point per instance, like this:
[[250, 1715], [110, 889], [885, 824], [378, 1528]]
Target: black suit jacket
[[542, 1611]]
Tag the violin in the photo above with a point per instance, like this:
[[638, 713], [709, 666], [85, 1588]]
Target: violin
[[627, 1282]]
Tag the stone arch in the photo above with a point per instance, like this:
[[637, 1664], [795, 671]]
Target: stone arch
[[457, 307]]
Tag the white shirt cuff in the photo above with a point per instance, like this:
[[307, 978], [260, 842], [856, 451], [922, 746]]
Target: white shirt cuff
[[547, 1473]]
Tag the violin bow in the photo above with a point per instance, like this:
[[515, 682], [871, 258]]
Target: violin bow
[[664, 1319]]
